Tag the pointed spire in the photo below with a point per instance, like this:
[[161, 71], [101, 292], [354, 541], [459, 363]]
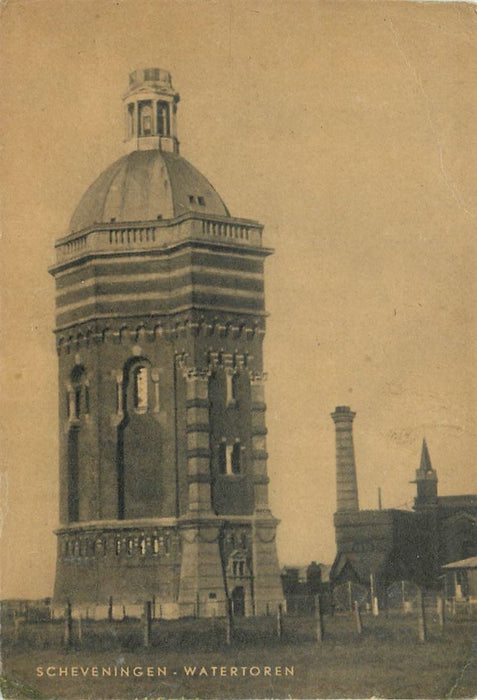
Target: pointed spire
[[426, 481], [425, 465]]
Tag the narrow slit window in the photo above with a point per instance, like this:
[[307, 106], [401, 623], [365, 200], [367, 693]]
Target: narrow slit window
[[141, 389], [229, 460], [236, 458], [222, 458], [229, 388], [77, 402]]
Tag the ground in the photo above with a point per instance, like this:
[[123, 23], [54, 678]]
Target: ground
[[386, 661]]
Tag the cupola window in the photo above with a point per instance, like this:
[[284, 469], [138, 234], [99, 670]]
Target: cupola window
[[145, 118], [131, 119], [163, 123]]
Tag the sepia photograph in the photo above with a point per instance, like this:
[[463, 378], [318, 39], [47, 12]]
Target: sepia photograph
[[238, 342]]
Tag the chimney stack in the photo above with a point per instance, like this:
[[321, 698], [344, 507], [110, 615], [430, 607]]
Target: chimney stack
[[346, 484]]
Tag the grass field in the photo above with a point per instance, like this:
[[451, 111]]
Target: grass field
[[386, 661]]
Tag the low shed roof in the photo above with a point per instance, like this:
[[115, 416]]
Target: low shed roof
[[469, 563]]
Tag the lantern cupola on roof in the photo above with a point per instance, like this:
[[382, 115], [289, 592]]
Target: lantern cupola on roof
[[150, 111]]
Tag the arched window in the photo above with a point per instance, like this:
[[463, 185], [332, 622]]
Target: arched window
[[140, 389]]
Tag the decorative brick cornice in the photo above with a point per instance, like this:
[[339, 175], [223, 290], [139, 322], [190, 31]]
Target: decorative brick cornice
[[127, 330]]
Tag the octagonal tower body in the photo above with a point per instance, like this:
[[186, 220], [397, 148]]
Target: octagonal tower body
[[160, 320]]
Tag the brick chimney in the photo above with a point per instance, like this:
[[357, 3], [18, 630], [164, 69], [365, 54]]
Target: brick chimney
[[346, 484]]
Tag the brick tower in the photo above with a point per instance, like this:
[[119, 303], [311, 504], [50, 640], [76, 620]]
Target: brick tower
[[160, 324]]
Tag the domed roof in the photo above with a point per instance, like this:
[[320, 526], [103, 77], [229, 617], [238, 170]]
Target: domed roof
[[146, 185]]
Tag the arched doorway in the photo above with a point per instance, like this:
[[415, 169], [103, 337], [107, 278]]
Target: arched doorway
[[238, 601]]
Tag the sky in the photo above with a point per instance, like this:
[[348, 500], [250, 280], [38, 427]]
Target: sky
[[348, 130]]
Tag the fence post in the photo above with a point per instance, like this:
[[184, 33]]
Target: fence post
[[110, 609], [350, 596], [374, 598], [421, 613], [80, 628], [229, 620], [357, 617], [280, 621], [441, 611], [68, 639], [320, 628], [16, 625], [147, 623]]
